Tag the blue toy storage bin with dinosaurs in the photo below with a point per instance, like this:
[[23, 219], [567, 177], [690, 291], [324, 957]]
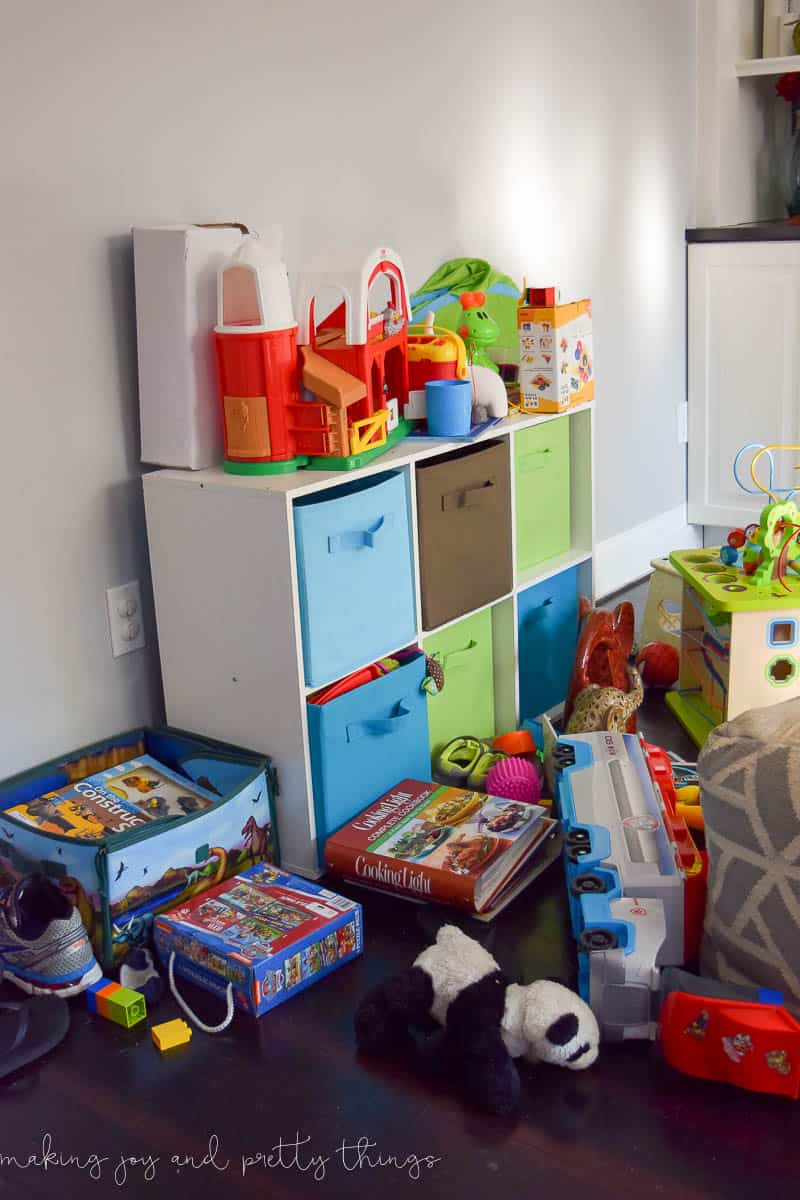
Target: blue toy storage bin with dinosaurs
[[118, 882]]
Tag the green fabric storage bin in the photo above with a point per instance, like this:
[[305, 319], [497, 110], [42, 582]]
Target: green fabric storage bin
[[541, 477], [466, 704]]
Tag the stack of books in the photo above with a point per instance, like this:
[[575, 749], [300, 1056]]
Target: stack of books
[[463, 848]]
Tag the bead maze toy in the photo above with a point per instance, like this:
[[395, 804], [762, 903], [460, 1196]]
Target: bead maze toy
[[740, 620]]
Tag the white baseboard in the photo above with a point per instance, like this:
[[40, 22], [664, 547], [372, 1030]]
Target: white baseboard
[[622, 559]]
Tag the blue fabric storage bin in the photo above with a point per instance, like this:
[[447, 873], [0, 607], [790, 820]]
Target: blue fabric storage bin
[[355, 575], [365, 742], [548, 631]]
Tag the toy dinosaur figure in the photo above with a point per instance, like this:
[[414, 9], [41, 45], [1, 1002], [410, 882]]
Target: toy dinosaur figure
[[606, 708], [478, 329]]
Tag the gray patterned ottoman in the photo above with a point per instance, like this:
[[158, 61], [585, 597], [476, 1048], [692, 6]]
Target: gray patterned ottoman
[[750, 786]]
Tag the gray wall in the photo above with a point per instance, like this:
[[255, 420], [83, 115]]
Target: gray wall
[[555, 139]]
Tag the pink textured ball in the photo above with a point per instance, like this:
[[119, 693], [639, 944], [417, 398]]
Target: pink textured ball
[[514, 779]]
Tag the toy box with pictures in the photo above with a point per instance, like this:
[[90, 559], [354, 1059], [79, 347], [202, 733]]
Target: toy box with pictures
[[556, 365], [268, 933], [217, 821]]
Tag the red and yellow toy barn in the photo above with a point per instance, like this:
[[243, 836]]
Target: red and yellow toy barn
[[293, 395]]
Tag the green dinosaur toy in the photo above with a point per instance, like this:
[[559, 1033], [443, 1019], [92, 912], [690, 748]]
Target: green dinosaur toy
[[478, 329]]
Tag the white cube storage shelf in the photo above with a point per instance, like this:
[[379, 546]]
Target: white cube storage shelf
[[243, 566]]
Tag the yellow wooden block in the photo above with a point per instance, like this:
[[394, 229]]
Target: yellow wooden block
[[170, 1034]]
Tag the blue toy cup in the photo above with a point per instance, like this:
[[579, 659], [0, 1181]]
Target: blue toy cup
[[448, 403]]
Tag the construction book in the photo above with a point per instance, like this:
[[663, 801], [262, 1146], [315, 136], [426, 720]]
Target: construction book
[[446, 844], [119, 799]]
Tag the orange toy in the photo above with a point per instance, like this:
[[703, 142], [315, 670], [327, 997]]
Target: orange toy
[[605, 642]]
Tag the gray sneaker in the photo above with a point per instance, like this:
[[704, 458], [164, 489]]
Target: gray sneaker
[[44, 948]]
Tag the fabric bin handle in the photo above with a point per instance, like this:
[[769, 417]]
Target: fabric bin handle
[[534, 460], [536, 612], [467, 497], [448, 662], [358, 538], [380, 727]]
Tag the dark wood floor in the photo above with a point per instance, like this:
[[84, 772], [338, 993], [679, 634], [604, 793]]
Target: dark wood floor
[[629, 1127]]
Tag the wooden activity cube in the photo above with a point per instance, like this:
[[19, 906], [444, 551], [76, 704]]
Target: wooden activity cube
[[740, 645]]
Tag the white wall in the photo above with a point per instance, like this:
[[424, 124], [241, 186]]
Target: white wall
[[739, 121], [556, 140]]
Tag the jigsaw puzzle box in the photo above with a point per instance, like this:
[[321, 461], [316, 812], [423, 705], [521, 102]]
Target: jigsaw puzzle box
[[268, 933], [119, 880]]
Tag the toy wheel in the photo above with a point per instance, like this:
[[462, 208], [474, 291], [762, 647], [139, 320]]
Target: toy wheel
[[564, 756], [578, 837], [588, 883], [576, 853], [596, 940]]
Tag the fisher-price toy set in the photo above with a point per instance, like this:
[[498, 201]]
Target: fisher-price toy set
[[305, 382]]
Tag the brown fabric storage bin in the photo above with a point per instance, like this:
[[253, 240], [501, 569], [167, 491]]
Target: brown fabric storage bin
[[464, 522]]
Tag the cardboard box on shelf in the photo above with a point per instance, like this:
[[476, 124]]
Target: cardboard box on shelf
[[175, 269], [556, 366]]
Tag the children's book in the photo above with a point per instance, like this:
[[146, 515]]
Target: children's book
[[268, 933], [439, 843], [116, 800]]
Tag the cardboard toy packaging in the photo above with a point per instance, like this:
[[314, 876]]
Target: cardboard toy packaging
[[175, 268], [268, 933], [556, 363]]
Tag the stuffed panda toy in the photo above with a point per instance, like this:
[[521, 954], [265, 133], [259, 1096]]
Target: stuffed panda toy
[[487, 1021]]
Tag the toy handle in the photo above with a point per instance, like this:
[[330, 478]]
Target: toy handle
[[534, 461], [536, 612], [467, 497], [173, 987], [381, 727], [448, 336], [447, 661], [359, 538]]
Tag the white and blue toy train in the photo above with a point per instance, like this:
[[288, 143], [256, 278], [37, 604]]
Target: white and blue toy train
[[625, 889]]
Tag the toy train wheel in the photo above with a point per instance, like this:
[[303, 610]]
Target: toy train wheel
[[564, 756], [588, 883], [578, 844], [596, 940], [578, 837], [576, 853]]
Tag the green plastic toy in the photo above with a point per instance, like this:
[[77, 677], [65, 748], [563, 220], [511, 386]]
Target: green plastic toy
[[465, 762], [478, 329]]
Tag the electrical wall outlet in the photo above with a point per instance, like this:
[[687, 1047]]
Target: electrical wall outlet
[[683, 423], [125, 618]]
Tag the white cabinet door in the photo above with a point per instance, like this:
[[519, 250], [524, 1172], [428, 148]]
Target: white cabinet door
[[744, 369]]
